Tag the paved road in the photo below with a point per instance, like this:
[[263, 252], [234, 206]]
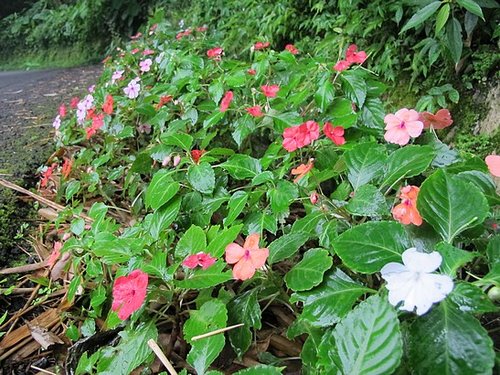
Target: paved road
[[20, 78]]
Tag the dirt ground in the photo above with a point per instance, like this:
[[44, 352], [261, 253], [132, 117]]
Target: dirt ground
[[29, 101]]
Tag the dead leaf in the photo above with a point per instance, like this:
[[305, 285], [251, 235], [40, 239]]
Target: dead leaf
[[44, 337]]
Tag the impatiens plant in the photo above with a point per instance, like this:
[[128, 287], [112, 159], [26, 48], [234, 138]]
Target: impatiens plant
[[269, 192]]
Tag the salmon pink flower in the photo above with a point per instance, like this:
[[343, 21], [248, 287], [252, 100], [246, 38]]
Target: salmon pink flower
[[46, 175], [314, 197], [442, 119], [106, 59], [132, 89], [255, 111], [299, 136], [252, 72], [163, 100], [302, 170], [200, 259], [336, 134], [74, 102], [493, 163], [62, 110], [57, 122], [341, 65], [270, 90], [153, 28], [292, 49], [354, 57], [226, 101], [107, 107], [134, 51], [261, 45], [215, 53], [145, 65], [148, 52], [202, 29], [406, 212], [246, 259], [129, 292], [402, 125], [117, 75], [196, 155], [55, 254], [136, 36], [66, 167]]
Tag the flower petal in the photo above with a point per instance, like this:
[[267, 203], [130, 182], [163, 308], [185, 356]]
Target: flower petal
[[417, 261], [414, 128], [252, 242], [244, 269], [259, 257], [234, 253]]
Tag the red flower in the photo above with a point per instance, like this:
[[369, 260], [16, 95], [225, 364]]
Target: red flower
[[66, 168], [226, 101], [261, 45], [252, 72], [90, 113], [200, 259], [270, 91], [107, 107], [196, 155], [148, 52], [299, 136], [163, 100], [136, 36], [183, 34], [47, 174], [202, 29], [341, 65], [74, 102], [215, 53], [255, 111], [129, 292], [97, 123], [314, 197], [442, 119], [134, 51], [292, 49], [62, 110], [336, 134], [354, 57]]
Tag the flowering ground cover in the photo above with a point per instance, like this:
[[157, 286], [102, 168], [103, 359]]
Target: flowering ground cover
[[220, 213]]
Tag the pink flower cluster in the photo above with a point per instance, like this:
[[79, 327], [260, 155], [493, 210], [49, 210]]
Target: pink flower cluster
[[352, 56]]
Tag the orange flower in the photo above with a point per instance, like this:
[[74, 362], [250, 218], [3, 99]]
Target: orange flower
[[66, 168], [302, 170], [107, 107], [246, 259], [406, 212]]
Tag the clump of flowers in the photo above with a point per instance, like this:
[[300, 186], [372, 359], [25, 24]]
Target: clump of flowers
[[406, 212], [299, 136]]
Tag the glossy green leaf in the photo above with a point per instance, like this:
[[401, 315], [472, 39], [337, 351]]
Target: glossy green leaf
[[202, 177], [161, 189], [236, 205], [286, 246], [453, 258], [212, 276], [261, 370], [308, 273], [421, 16], [364, 163], [182, 140], [368, 201], [406, 162], [470, 298], [442, 17], [242, 166], [213, 119], [325, 94], [217, 246], [454, 38], [355, 87], [329, 302], [472, 7], [368, 247], [192, 241], [162, 218], [282, 196], [451, 205], [449, 341]]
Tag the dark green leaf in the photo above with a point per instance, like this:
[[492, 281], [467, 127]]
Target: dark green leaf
[[242, 166], [368, 201], [453, 258], [454, 38], [308, 273], [286, 246], [364, 162], [422, 15], [201, 177], [161, 189]]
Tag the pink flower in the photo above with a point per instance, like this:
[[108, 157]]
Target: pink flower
[[148, 52], [406, 212], [134, 51], [117, 74], [299, 136], [129, 292], [292, 49], [146, 65], [215, 53], [261, 45], [200, 259], [246, 259], [136, 36], [255, 111], [55, 254], [202, 29], [310, 130], [62, 110], [270, 91], [341, 65], [354, 57], [177, 160], [226, 101], [314, 197], [252, 72], [57, 122], [402, 125], [336, 134], [91, 89], [66, 167], [132, 89], [493, 163], [74, 102]]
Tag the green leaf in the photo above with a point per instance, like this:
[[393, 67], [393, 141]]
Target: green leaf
[[493, 251], [236, 204], [442, 17], [213, 119], [72, 188], [470, 298], [218, 245], [77, 226], [451, 205], [368, 340], [329, 302], [285, 246], [130, 353], [454, 37], [210, 277], [211, 316], [193, 241], [407, 162], [308, 273], [449, 341], [182, 140], [368, 247], [368, 201], [261, 370], [162, 218], [472, 7], [453, 258], [161, 189], [355, 87], [309, 223], [241, 166], [422, 15], [202, 177], [484, 182], [324, 96], [282, 196], [364, 163]]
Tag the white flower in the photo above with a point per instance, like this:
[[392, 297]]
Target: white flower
[[414, 283]]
